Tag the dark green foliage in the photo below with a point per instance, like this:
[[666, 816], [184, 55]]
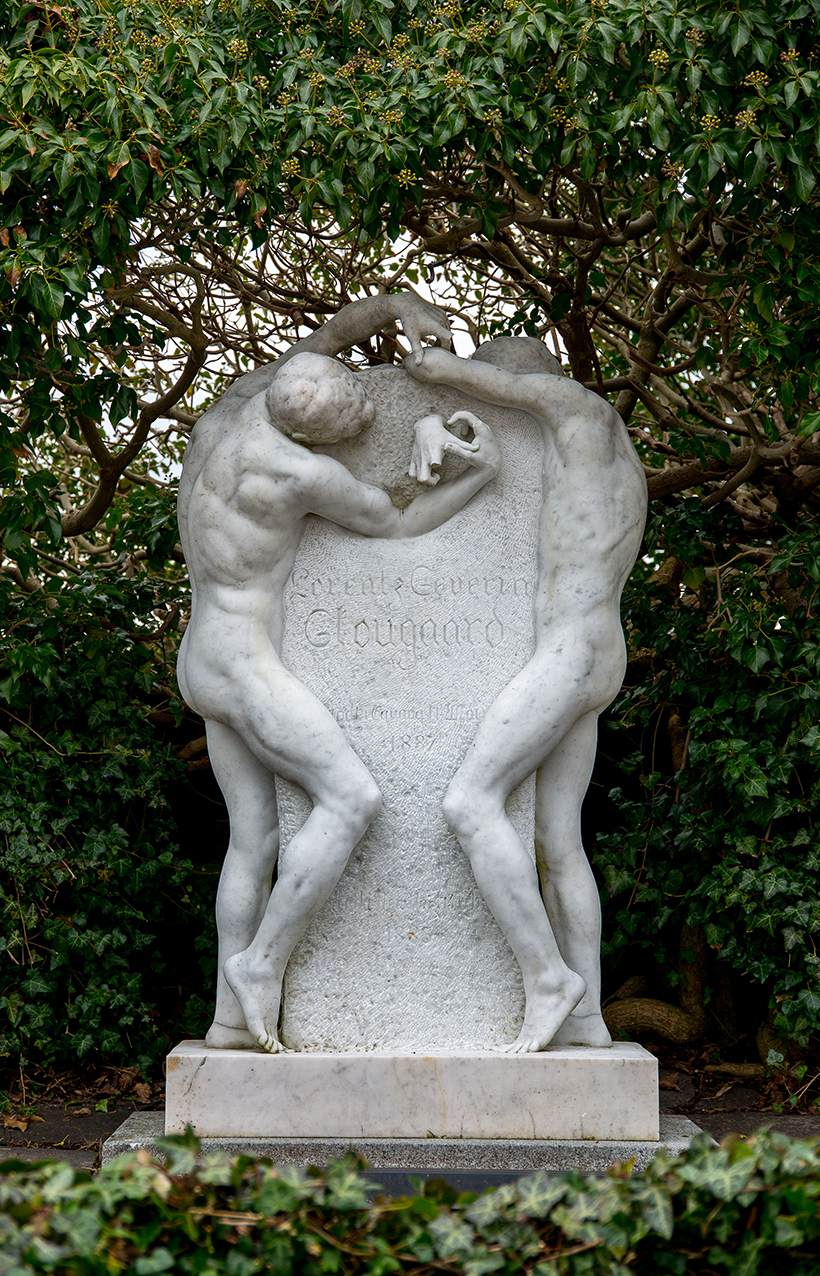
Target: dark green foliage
[[250, 110], [636, 180], [741, 1210], [721, 831], [97, 908]]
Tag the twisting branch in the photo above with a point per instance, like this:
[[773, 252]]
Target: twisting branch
[[731, 485], [83, 519]]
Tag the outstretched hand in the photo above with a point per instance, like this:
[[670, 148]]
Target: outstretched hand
[[433, 440], [419, 318]]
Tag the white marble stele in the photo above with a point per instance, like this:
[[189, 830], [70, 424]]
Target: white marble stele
[[408, 643], [559, 1093]]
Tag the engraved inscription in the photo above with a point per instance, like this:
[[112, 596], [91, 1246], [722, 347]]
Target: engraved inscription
[[447, 712], [422, 581], [324, 628]]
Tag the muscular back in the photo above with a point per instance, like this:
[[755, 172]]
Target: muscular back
[[241, 510], [594, 509], [241, 504]]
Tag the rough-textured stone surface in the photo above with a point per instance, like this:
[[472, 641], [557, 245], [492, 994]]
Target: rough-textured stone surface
[[512, 1157], [560, 1093], [408, 643]]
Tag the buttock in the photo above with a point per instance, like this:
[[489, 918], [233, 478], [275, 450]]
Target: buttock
[[594, 663], [216, 680]]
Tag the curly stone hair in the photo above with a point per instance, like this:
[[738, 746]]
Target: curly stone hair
[[318, 399]]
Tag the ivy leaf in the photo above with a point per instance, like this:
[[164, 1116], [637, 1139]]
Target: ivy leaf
[[537, 1193], [757, 657], [453, 1238], [805, 181], [49, 295], [720, 1176], [656, 1208], [694, 577], [809, 424], [66, 169], [740, 37], [492, 1205], [346, 1189], [382, 24]]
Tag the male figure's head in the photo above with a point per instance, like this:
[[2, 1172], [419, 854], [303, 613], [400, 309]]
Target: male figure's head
[[314, 399], [518, 354]]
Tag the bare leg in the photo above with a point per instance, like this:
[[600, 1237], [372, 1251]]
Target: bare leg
[[568, 886], [270, 724], [288, 732], [316, 858], [245, 882], [507, 879], [521, 728]]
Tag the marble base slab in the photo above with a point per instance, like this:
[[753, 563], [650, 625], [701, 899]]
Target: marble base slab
[[571, 1093], [486, 1161]]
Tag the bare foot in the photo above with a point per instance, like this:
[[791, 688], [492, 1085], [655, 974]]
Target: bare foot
[[548, 1005], [220, 1036], [259, 999], [582, 1030]]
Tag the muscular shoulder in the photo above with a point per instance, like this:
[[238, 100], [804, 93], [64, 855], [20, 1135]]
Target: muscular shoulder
[[239, 458], [219, 432], [592, 440], [557, 399]]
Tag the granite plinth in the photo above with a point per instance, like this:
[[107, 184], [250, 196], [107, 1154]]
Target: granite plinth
[[574, 1093], [491, 1160]]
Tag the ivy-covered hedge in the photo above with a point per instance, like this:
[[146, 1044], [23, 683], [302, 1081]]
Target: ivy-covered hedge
[[99, 912], [717, 739], [739, 1209]]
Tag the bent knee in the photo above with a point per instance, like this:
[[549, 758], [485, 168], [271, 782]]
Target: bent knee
[[357, 807], [369, 800], [468, 809], [564, 858], [453, 808]]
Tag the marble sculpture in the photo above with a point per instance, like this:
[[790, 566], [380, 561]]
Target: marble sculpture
[[249, 481]]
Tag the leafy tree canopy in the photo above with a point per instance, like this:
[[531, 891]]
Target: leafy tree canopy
[[186, 187]]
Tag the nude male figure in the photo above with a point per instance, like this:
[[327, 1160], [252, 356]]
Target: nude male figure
[[248, 482], [546, 719]]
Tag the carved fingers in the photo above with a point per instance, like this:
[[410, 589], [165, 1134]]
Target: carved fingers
[[432, 440], [420, 319], [475, 423], [428, 449], [483, 447]]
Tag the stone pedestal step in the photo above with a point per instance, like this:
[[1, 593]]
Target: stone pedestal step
[[562, 1093], [469, 1164]]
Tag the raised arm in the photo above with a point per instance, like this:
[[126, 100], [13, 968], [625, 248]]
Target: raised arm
[[547, 397], [355, 322], [362, 319], [335, 494]]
